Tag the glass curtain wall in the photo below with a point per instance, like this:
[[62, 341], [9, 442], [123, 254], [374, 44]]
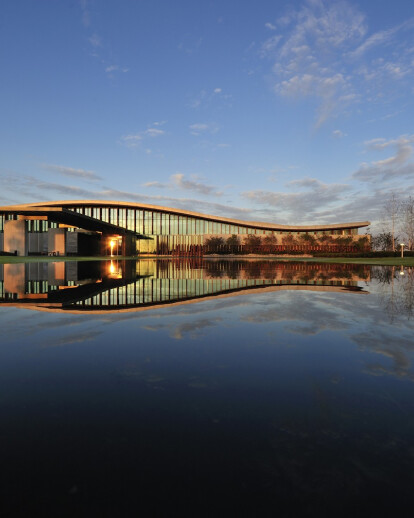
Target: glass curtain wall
[[169, 233]]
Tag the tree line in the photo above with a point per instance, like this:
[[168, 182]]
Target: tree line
[[269, 243]]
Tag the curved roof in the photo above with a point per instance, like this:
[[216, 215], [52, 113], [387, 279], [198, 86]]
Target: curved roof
[[256, 224]]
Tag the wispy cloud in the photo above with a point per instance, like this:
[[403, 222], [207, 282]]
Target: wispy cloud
[[85, 19], [317, 52], [338, 133], [399, 165], [375, 40], [189, 45], [135, 140], [201, 128], [30, 188], [95, 40], [207, 97], [178, 181], [310, 197], [71, 172], [193, 185], [115, 68], [131, 141], [154, 132]]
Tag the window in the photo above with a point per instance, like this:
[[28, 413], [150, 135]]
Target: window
[[122, 217], [130, 219], [114, 216]]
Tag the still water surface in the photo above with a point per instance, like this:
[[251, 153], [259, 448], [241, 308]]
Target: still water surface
[[206, 388]]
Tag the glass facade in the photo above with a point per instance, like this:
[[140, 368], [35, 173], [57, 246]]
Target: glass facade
[[170, 232]]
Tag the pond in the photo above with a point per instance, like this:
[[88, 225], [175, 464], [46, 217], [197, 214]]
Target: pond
[[206, 388]]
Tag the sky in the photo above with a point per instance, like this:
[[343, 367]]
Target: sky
[[293, 112]]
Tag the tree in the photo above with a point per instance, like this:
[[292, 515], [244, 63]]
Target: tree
[[407, 220], [252, 242], [382, 241], [289, 240], [270, 241], [233, 243], [392, 215], [308, 239], [214, 244]]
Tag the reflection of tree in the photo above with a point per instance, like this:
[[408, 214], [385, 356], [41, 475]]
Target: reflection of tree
[[303, 273], [396, 290]]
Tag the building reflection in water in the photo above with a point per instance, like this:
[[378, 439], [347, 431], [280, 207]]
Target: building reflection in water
[[125, 285]]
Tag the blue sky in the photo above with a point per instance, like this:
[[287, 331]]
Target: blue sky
[[291, 112]]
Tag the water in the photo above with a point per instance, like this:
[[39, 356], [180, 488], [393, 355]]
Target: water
[[206, 388]]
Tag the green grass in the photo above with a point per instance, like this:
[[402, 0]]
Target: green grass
[[381, 261]]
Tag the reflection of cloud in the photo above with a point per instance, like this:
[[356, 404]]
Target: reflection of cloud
[[303, 314], [193, 328], [383, 342], [72, 339]]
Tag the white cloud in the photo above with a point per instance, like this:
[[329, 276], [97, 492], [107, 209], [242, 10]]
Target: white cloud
[[270, 26], [95, 41], [135, 140], [338, 133], [131, 141], [217, 90], [200, 128], [376, 39], [154, 132], [270, 45]]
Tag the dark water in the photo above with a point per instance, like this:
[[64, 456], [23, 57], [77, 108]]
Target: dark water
[[215, 388]]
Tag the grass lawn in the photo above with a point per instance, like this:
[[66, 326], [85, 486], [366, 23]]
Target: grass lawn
[[384, 261], [380, 261]]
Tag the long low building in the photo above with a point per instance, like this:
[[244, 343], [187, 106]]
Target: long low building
[[87, 227]]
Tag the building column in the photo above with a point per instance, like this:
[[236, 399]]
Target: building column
[[15, 237]]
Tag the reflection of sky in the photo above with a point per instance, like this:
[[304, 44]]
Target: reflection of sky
[[357, 325], [289, 394]]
